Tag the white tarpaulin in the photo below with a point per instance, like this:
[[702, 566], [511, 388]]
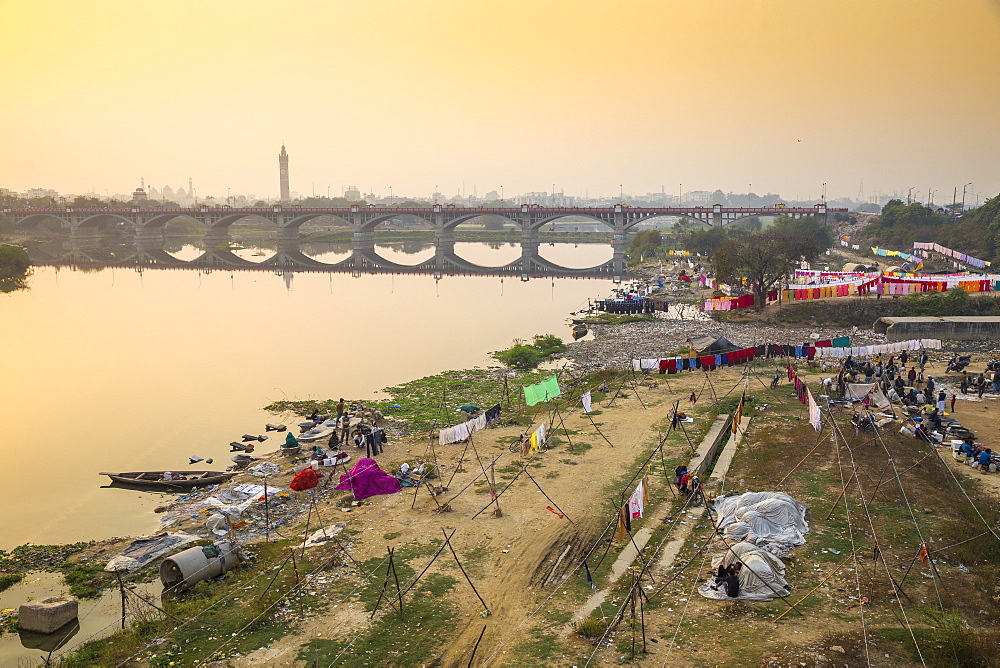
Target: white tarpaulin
[[143, 550], [762, 517], [858, 391], [762, 577]]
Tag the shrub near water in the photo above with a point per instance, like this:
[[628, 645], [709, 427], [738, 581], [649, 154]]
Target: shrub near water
[[524, 356], [14, 267]]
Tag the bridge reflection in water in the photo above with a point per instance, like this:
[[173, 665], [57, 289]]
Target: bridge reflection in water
[[288, 257]]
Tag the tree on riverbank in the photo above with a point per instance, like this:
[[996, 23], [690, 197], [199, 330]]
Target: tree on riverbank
[[765, 257], [643, 244], [14, 268], [977, 232]]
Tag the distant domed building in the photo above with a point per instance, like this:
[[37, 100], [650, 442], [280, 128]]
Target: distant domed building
[[139, 195]]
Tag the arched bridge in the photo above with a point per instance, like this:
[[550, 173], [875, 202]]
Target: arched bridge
[[149, 222], [288, 257]]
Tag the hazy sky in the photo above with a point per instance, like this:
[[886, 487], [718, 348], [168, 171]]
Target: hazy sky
[[585, 94]]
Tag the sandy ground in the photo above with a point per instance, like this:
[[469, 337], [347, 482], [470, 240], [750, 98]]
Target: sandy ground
[[518, 560], [530, 548]]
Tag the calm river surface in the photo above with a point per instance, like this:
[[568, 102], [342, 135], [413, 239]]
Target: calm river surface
[[116, 370]]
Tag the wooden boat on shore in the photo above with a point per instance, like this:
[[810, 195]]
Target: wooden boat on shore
[[179, 479]]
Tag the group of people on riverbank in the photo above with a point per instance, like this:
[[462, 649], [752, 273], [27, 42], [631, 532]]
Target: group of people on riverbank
[[926, 402]]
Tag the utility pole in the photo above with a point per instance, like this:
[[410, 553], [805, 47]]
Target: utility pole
[[954, 201], [963, 195]]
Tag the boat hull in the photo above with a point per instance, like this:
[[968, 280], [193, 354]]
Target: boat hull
[[153, 479]]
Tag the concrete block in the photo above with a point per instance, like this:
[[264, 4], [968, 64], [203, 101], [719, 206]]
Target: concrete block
[[48, 614]]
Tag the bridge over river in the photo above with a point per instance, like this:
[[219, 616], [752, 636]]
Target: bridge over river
[[288, 256], [149, 222]]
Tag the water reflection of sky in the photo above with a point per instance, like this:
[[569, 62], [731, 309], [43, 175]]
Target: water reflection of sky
[[148, 368]]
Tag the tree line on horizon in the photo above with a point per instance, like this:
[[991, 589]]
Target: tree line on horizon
[[975, 233]]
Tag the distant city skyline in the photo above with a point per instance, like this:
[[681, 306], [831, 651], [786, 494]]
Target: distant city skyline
[[422, 97]]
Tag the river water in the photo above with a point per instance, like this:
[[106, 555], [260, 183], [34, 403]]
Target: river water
[[119, 370]]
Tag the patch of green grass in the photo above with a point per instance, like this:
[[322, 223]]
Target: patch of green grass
[[433, 401], [87, 580], [9, 580], [392, 535], [392, 641], [255, 616]]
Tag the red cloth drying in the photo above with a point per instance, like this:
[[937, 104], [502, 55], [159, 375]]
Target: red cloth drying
[[305, 479]]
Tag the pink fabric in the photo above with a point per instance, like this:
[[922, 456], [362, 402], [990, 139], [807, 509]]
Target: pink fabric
[[367, 479]]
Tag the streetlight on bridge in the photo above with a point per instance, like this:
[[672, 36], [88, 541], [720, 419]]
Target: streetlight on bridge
[[823, 195]]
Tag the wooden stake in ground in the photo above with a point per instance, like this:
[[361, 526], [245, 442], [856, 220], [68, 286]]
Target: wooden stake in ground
[[267, 514], [461, 458], [493, 490], [389, 568], [635, 388], [591, 418], [617, 392], [564, 428], [447, 540], [121, 587]]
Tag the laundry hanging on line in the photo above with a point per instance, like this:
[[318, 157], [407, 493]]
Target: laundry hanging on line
[[543, 391], [463, 430]]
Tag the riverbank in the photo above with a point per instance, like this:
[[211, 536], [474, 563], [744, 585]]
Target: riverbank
[[526, 563]]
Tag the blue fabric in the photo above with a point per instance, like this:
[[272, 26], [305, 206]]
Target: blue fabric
[[718, 360], [984, 458]]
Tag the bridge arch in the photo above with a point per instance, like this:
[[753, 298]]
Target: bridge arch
[[536, 225], [370, 224], [103, 219], [452, 223], [300, 220], [707, 220], [159, 221], [34, 219]]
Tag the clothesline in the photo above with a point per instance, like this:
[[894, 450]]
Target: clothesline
[[881, 348], [883, 252], [733, 303], [464, 430], [948, 252], [691, 362]]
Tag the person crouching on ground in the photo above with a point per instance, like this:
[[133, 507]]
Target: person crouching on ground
[[985, 457]]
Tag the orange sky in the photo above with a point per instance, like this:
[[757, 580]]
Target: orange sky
[[585, 94]]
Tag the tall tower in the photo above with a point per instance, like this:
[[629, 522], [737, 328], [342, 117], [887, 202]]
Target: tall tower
[[283, 173]]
